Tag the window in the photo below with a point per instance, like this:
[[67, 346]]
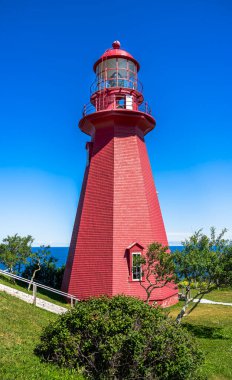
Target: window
[[110, 63], [120, 102], [136, 267], [122, 63], [132, 66]]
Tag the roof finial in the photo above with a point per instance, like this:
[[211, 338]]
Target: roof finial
[[116, 45]]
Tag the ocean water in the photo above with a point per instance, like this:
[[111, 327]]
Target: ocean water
[[61, 254]]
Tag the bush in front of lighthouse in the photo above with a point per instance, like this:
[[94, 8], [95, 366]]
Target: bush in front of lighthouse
[[120, 338]]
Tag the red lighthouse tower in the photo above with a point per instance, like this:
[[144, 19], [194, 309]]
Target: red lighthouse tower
[[118, 214]]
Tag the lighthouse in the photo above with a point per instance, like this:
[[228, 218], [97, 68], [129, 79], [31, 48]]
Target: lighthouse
[[118, 213]]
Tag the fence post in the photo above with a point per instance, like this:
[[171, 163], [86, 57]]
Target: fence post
[[71, 301], [34, 293]]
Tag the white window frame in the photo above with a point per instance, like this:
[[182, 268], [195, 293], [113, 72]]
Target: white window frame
[[132, 266]]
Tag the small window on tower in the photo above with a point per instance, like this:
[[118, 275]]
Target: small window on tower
[[136, 267], [120, 102]]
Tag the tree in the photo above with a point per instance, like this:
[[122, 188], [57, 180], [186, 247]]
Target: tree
[[203, 264], [38, 258], [49, 274], [157, 268], [15, 251]]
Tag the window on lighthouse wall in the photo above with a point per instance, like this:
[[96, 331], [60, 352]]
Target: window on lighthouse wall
[[136, 267]]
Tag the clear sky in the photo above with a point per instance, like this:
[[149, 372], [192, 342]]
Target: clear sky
[[48, 48]]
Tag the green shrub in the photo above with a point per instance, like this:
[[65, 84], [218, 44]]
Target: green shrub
[[120, 338]]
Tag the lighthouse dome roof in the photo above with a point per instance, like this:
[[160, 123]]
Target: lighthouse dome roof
[[115, 52]]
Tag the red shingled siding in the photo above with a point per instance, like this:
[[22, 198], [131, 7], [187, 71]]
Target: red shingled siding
[[131, 213], [137, 214], [118, 206], [92, 240]]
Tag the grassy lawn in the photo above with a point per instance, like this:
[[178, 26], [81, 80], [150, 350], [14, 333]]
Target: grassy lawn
[[21, 325], [41, 293], [220, 295], [20, 328], [212, 327]]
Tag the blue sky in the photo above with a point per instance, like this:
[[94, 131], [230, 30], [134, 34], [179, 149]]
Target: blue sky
[[47, 52]]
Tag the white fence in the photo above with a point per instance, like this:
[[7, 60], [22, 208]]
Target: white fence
[[36, 285]]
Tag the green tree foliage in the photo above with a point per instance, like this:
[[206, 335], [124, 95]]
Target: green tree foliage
[[157, 268], [16, 255], [15, 251], [120, 338], [38, 258], [205, 263], [49, 274]]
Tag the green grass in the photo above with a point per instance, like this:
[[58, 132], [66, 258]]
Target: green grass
[[212, 327], [220, 295], [41, 293], [224, 295], [21, 325], [20, 328]]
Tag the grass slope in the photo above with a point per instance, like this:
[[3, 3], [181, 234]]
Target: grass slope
[[20, 328], [212, 327], [41, 293], [21, 325]]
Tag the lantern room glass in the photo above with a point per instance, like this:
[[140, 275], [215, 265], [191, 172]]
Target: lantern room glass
[[116, 72]]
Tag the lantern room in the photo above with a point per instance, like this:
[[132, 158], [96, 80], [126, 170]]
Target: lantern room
[[116, 68], [116, 72], [116, 85]]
